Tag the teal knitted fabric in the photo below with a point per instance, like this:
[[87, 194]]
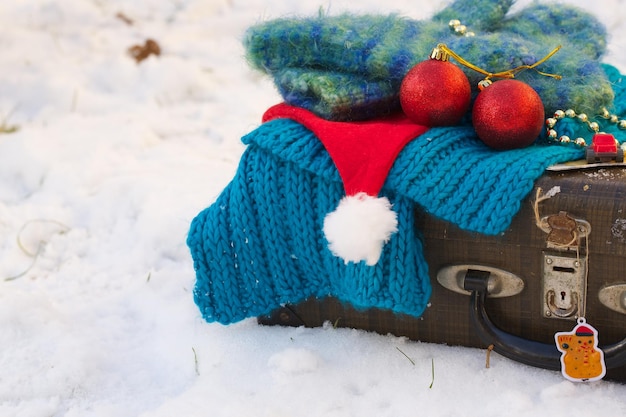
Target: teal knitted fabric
[[261, 245], [350, 67]]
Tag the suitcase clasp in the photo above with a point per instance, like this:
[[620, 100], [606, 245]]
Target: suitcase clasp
[[564, 264], [564, 285]]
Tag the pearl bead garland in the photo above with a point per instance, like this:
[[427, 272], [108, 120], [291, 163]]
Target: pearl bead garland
[[460, 29], [583, 118]]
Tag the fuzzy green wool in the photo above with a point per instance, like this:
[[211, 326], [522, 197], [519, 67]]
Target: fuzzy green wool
[[350, 67]]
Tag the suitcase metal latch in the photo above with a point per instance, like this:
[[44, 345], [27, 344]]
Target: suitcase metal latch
[[564, 266], [564, 286]]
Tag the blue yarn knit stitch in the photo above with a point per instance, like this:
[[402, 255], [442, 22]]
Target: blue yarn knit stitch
[[260, 245]]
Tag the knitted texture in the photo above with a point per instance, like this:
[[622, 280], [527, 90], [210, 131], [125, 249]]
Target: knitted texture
[[573, 128], [354, 98], [350, 67], [481, 15], [260, 245]]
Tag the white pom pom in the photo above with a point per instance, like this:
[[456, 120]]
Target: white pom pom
[[359, 227]]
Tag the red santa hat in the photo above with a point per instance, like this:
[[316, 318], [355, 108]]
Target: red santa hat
[[583, 330], [363, 153]]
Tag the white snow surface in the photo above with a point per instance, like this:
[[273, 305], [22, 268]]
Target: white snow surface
[[98, 186]]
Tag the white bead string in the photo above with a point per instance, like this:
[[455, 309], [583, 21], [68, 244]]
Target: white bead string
[[460, 29], [593, 126]]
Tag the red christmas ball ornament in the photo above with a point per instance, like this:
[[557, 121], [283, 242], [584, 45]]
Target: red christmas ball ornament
[[508, 114], [435, 93]]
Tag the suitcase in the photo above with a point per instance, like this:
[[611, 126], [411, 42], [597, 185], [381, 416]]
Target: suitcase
[[563, 257], [557, 263], [498, 262]]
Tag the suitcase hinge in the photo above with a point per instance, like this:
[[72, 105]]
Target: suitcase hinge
[[564, 232]]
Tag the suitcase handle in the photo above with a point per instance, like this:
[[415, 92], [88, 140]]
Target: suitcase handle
[[529, 352]]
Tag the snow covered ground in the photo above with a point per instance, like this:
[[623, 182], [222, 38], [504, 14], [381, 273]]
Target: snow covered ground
[[110, 162]]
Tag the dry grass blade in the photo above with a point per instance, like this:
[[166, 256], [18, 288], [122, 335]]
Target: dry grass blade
[[432, 370], [5, 127], [406, 356], [195, 360], [40, 245]]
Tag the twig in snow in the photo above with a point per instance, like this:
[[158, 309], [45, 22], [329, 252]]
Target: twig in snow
[[124, 18], [488, 359]]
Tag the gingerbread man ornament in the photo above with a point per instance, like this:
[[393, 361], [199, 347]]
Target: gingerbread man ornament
[[581, 359]]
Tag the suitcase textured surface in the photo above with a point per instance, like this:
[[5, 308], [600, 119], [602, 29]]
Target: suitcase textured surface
[[590, 200]]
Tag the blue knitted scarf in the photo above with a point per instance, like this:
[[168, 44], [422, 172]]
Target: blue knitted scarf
[[260, 245]]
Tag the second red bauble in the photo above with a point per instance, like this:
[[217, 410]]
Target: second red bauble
[[508, 114], [435, 93]]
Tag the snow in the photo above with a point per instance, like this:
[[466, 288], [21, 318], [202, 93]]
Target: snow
[[112, 160]]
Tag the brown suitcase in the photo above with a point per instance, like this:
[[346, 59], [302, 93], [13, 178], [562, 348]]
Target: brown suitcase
[[563, 257]]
